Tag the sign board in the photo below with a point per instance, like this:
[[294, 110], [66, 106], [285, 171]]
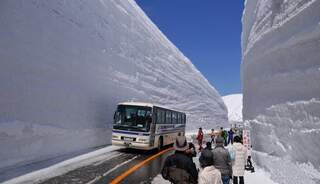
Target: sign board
[[246, 138]]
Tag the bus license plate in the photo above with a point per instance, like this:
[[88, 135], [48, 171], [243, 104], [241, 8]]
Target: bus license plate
[[128, 139], [127, 144]]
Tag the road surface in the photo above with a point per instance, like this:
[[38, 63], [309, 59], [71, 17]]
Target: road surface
[[112, 169]]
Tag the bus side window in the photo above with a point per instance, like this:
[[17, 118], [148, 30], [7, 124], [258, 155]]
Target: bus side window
[[158, 119], [179, 118], [174, 118], [168, 117], [183, 119], [163, 117]]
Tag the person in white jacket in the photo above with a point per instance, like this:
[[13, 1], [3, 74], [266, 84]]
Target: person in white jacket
[[208, 173], [238, 166]]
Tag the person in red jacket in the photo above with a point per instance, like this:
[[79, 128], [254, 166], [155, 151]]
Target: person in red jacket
[[200, 138]]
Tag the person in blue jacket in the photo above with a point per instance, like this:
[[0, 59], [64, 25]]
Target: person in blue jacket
[[230, 136]]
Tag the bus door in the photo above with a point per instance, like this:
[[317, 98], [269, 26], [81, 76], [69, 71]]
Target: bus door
[[153, 127], [152, 133]]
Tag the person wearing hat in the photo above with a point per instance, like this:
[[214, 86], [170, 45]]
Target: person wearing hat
[[222, 160], [208, 174], [179, 167], [208, 146], [191, 151]]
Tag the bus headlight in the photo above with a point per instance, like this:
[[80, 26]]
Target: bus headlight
[[115, 137]]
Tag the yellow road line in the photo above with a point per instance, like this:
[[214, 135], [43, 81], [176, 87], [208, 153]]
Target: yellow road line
[[136, 167]]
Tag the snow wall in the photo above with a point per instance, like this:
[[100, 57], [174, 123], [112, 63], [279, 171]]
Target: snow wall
[[234, 106], [64, 65], [281, 85]]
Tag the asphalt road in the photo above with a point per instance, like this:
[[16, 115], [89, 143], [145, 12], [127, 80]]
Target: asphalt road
[[107, 171]]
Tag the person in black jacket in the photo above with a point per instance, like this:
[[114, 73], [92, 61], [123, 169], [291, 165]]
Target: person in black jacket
[[191, 151], [222, 160], [208, 146], [179, 167]]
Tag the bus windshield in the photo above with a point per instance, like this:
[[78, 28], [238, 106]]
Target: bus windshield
[[132, 118]]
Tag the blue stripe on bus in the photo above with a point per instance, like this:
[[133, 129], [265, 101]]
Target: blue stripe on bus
[[147, 134], [132, 133]]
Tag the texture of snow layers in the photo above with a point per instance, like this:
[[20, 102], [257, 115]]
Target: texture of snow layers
[[280, 77], [289, 131], [234, 106], [280, 48], [64, 65], [284, 171]]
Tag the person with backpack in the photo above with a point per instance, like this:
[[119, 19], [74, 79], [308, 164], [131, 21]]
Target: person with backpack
[[238, 166], [221, 132], [179, 168], [224, 135], [222, 160], [208, 173], [200, 138]]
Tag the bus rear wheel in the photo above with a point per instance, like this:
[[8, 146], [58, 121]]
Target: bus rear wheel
[[160, 143]]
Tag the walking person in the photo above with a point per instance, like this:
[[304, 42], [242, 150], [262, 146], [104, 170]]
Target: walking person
[[221, 132], [200, 138], [179, 168], [230, 136], [208, 173], [224, 135], [213, 135], [222, 160], [239, 163]]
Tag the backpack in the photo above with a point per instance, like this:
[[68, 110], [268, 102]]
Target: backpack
[[222, 134], [232, 153]]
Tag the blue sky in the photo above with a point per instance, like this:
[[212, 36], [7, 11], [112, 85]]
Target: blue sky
[[208, 32]]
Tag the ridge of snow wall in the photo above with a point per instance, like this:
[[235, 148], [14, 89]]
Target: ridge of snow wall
[[66, 64]]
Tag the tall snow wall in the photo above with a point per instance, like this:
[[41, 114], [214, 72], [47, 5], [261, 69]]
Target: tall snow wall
[[281, 88], [64, 65]]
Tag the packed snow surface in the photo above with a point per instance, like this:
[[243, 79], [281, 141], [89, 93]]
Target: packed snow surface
[[66, 64], [234, 106], [281, 88], [259, 177]]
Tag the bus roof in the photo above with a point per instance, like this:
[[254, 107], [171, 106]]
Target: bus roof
[[144, 104], [137, 104]]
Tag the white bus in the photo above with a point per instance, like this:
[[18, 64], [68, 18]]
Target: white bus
[[146, 126]]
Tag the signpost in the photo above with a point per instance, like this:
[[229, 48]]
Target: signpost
[[246, 139]]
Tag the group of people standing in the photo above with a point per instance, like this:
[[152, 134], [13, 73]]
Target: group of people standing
[[228, 136], [217, 165]]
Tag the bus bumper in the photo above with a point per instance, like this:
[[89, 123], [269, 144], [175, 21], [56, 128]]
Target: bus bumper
[[133, 145]]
